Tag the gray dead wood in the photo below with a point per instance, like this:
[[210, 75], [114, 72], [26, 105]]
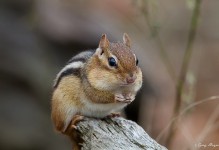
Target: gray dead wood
[[114, 134]]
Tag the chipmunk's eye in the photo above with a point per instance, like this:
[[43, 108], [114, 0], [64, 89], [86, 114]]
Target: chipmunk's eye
[[112, 62], [137, 62]]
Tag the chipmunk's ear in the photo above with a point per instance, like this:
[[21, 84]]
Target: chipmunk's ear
[[104, 42], [126, 40], [103, 45]]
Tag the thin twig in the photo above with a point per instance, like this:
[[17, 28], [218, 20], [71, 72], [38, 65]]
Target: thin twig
[[184, 69], [208, 127], [163, 54], [184, 111]]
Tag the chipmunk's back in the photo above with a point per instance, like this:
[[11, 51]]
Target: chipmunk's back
[[73, 66]]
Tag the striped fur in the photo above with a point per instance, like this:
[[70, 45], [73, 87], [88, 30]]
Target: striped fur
[[73, 66]]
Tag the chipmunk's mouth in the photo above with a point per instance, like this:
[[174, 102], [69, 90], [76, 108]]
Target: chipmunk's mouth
[[127, 84]]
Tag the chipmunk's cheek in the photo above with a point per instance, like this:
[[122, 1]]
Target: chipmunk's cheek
[[102, 80], [120, 79]]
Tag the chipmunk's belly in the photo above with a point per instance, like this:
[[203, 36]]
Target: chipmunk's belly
[[92, 109]]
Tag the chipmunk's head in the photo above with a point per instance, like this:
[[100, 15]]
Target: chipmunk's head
[[114, 65]]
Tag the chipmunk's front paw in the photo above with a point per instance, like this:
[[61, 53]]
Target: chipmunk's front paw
[[120, 98], [129, 98], [124, 98]]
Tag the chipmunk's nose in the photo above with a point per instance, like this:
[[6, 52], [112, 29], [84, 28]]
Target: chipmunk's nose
[[131, 78]]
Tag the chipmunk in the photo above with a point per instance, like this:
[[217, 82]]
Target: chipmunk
[[96, 83]]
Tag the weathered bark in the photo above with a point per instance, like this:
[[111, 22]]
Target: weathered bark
[[114, 134]]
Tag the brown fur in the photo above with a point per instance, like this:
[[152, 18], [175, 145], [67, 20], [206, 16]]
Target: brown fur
[[98, 96], [63, 97], [125, 56], [98, 83]]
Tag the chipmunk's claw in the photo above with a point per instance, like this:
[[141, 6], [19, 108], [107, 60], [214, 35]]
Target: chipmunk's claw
[[75, 120], [114, 114]]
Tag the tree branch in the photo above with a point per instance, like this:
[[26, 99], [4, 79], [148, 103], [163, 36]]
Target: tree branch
[[184, 70], [114, 133]]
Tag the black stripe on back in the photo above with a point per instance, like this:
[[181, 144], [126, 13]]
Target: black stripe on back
[[68, 72]]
